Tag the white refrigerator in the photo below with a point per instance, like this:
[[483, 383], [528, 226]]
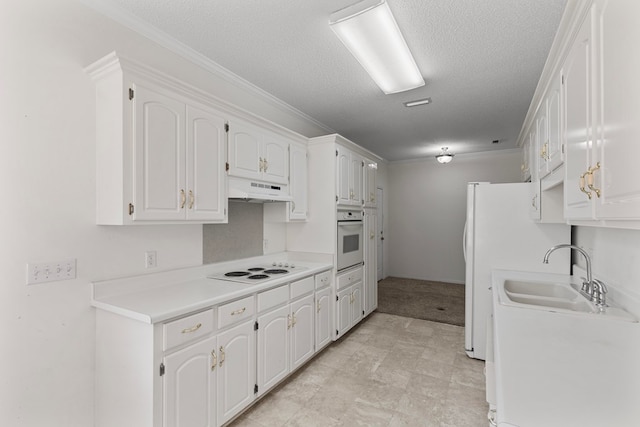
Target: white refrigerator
[[499, 233]]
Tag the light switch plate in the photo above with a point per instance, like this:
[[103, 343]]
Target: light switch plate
[[51, 271]]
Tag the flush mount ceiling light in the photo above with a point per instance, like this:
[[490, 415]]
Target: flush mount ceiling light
[[370, 32], [418, 102], [445, 156]]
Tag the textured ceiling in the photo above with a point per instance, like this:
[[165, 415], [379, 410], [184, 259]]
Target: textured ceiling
[[481, 60]]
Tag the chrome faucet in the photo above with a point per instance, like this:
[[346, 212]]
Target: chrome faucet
[[592, 288]]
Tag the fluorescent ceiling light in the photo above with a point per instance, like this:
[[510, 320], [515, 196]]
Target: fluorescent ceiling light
[[371, 34], [417, 102]]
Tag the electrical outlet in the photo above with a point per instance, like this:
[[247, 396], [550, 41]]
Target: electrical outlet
[[150, 259], [51, 271]]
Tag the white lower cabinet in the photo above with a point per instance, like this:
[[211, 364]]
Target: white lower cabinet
[[273, 348], [189, 389], [236, 370], [349, 308], [302, 331], [323, 318]]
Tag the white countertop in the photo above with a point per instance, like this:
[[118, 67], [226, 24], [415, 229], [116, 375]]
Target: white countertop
[[564, 370], [161, 296]]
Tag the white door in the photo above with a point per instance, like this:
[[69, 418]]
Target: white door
[[236, 370], [273, 348], [189, 384], [618, 144], [159, 146], [380, 238], [323, 318], [302, 331], [343, 158], [343, 311], [245, 157], [356, 303], [357, 174], [578, 123], [298, 185], [206, 156], [275, 159]]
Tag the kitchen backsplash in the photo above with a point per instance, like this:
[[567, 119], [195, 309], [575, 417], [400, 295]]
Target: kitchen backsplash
[[241, 238]]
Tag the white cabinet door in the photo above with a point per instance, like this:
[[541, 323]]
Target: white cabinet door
[[534, 205], [578, 113], [617, 146], [356, 176], [344, 192], [343, 311], [323, 318], [555, 155], [206, 156], [159, 155], [356, 303], [273, 348], [370, 261], [302, 331], [245, 155], [275, 159], [369, 183], [298, 186], [236, 370], [526, 160], [542, 145], [189, 394]]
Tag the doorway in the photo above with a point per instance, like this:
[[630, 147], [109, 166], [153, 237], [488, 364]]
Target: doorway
[[380, 242]]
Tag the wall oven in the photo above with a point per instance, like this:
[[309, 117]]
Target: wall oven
[[350, 239]]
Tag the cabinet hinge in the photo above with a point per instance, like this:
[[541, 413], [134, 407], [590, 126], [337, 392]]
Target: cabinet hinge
[[337, 333], [131, 209], [562, 78], [131, 93], [562, 148], [336, 153], [336, 198], [255, 389], [337, 299], [256, 326], [226, 166], [226, 127], [161, 369], [363, 312], [362, 163]]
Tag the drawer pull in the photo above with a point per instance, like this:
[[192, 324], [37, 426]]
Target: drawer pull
[[222, 355], [239, 311], [192, 329]]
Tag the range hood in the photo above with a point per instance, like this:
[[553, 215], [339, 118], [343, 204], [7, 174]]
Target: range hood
[[258, 192]]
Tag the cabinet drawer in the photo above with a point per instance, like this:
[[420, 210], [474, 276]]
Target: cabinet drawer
[[188, 329], [235, 311], [273, 298], [349, 277], [323, 279], [302, 287]]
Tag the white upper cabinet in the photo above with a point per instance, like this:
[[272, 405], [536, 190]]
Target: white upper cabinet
[[350, 176], [578, 94], [257, 154], [370, 185], [160, 152], [554, 150], [542, 141], [602, 121], [298, 186]]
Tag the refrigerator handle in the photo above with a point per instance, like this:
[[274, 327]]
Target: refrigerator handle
[[464, 241]]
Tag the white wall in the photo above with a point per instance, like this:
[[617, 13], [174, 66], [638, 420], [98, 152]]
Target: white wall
[[427, 208], [47, 181], [615, 256]]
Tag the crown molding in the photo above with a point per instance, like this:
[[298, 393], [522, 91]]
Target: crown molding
[[134, 23]]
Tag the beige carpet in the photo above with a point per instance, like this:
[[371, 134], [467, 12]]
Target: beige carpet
[[422, 299]]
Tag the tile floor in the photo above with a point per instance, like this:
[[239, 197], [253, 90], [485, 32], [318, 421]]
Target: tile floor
[[388, 371]]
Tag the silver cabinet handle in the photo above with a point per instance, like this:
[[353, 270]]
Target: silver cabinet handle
[[261, 164], [288, 321], [192, 329], [318, 307], [222, 355], [214, 359], [266, 165], [293, 320], [239, 311]]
